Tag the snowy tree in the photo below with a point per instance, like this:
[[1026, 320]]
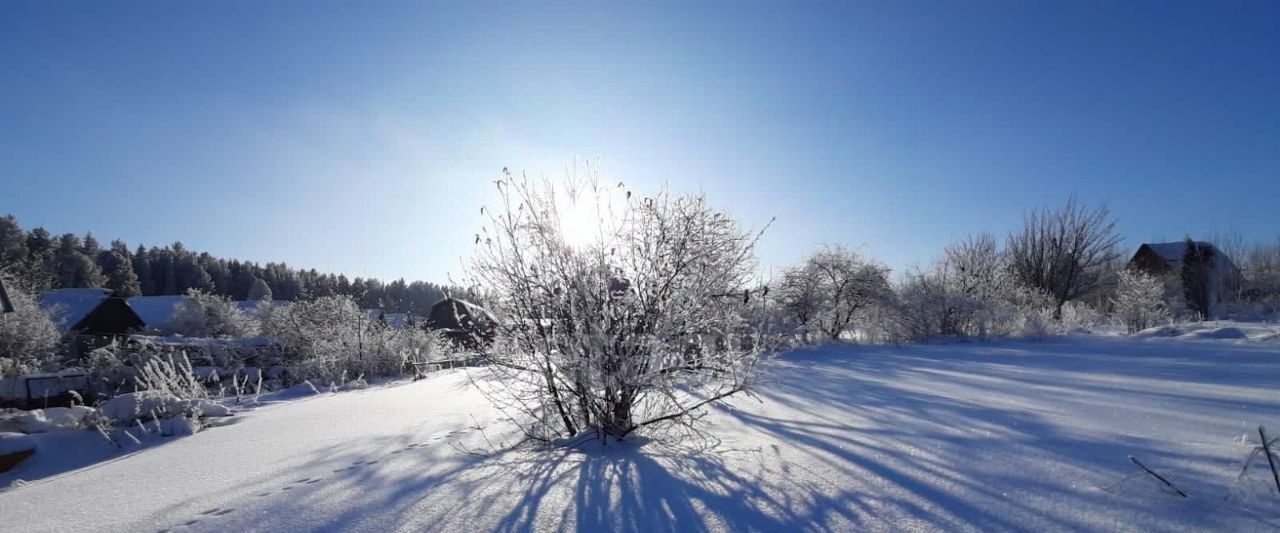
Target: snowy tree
[[801, 298], [1197, 278], [970, 291], [119, 273], [1064, 253], [13, 244], [843, 284], [1261, 276], [1139, 300], [619, 312], [259, 291], [39, 272], [208, 315], [74, 269], [28, 337]]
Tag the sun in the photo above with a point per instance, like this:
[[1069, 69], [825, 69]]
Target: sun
[[580, 221]]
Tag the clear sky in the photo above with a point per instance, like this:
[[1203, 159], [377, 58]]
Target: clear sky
[[363, 137]]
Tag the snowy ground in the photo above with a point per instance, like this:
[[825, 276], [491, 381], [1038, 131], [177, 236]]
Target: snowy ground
[[962, 437]]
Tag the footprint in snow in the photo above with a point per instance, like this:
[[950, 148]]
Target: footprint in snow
[[263, 494], [191, 522]]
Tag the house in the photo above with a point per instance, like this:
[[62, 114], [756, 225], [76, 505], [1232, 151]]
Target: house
[[462, 322], [95, 316], [1164, 259]]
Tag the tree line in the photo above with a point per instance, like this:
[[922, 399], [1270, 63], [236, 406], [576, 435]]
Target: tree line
[[37, 260]]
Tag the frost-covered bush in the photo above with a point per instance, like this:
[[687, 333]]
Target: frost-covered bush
[[209, 315], [933, 303], [834, 289], [637, 323], [331, 340], [171, 375], [28, 337], [1139, 300]]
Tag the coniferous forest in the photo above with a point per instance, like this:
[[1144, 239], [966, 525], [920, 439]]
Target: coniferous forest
[[38, 260]]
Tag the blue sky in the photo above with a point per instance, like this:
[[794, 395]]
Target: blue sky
[[363, 138]]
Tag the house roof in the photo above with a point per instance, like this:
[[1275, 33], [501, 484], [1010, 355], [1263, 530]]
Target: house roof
[[1172, 251], [156, 311], [394, 320], [456, 313], [68, 307]]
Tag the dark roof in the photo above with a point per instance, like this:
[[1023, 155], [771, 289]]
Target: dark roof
[[456, 313]]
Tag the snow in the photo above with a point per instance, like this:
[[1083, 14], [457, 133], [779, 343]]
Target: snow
[[142, 404], [12, 442], [978, 436], [156, 311], [45, 420]]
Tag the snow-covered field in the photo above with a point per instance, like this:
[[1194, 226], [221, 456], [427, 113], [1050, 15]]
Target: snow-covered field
[[1001, 436]]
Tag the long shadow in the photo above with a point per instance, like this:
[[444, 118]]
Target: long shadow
[[864, 437]]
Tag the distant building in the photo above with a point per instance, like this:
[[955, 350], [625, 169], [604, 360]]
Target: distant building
[[95, 316], [1164, 259], [462, 322]]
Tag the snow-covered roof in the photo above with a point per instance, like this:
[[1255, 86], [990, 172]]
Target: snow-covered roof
[[69, 306], [394, 320], [156, 311], [1172, 251]]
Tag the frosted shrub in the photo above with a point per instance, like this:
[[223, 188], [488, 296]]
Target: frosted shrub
[[210, 315], [331, 340], [1078, 316], [637, 324], [932, 303], [1139, 300], [171, 375], [28, 337]]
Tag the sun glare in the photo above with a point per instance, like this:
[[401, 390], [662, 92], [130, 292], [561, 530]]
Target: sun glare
[[580, 220]]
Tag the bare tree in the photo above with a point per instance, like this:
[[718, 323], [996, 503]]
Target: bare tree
[[832, 287], [1064, 253], [640, 324], [801, 299]]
